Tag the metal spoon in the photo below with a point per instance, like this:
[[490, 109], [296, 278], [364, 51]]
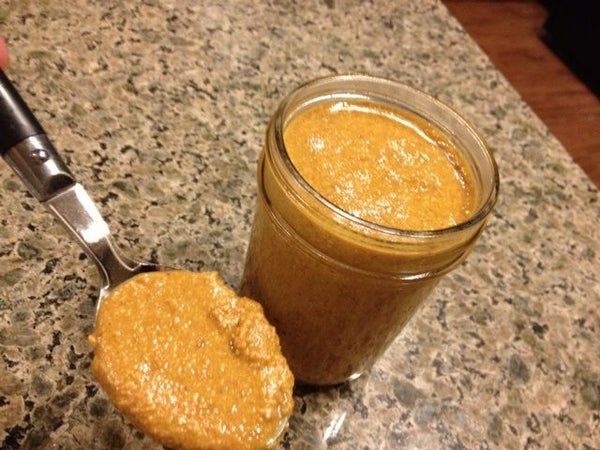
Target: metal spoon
[[28, 151]]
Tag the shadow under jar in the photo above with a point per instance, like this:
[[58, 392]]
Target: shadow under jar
[[338, 288]]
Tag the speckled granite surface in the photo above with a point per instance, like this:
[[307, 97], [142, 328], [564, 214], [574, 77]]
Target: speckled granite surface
[[160, 107]]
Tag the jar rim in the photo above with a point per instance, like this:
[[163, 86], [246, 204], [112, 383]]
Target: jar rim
[[478, 217]]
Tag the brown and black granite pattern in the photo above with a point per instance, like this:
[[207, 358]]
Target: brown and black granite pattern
[[160, 107]]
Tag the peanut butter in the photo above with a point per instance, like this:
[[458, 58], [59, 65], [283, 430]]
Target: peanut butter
[[192, 364], [382, 165], [337, 289]]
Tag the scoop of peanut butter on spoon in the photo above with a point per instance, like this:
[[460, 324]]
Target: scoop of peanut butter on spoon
[[184, 358], [192, 364]]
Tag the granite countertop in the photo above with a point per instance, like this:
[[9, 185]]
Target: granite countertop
[[160, 108]]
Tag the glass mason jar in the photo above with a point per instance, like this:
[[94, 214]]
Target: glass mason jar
[[337, 288]]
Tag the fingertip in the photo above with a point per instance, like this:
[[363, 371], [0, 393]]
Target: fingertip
[[4, 60]]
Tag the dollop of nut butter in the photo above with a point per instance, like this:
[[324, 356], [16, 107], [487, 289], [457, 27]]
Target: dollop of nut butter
[[381, 164], [192, 364]]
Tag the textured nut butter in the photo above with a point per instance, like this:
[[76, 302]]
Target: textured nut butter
[[382, 165], [191, 363], [337, 295]]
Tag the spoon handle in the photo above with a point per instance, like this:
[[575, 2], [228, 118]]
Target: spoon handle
[[26, 148], [17, 122], [28, 151]]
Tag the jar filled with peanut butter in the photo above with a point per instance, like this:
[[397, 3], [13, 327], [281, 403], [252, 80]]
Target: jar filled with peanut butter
[[368, 192]]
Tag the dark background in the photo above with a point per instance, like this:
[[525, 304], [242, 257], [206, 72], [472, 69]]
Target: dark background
[[550, 52]]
